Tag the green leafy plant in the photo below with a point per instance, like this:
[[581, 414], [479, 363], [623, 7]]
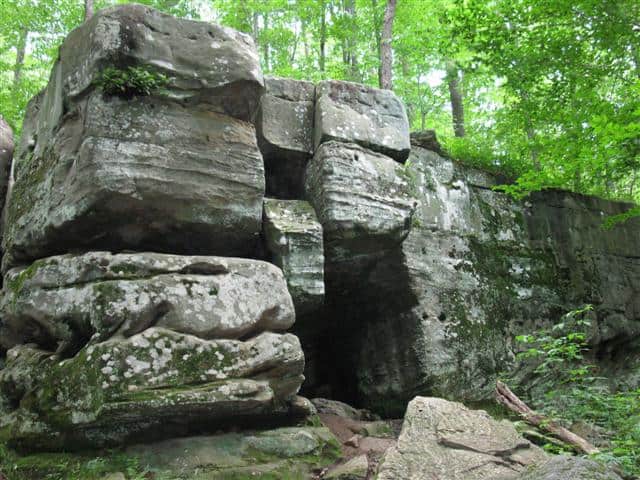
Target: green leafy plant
[[573, 394], [130, 81]]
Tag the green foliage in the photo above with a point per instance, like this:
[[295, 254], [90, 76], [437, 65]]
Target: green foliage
[[130, 81], [66, 466], [573, 394]]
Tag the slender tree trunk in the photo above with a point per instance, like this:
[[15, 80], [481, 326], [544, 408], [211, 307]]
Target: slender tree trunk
[[386, 55], [531, 133], [265, 47], [17, 69], [323, 34], [352, 59], [377, 24], [455, 95], [255, 27], [88, 9]]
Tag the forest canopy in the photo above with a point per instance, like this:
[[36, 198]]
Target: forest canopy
[[543, 91]]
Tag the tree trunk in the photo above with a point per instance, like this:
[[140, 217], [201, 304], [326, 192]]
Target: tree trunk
[[323, 34], [21, 47], [386, 56], [265, 45], [455, 94], [509, 399], [352, 60], [88, 9]]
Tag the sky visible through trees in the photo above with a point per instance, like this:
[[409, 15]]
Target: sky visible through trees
[[544, 91]]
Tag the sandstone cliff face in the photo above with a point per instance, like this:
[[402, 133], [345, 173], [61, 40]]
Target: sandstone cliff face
[[124, 315], [439, 314]]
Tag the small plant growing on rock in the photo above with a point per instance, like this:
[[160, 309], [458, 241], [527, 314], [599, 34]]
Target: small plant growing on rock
[[130, 81]]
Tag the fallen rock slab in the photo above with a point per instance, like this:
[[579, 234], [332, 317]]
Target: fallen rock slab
[[446, 441]]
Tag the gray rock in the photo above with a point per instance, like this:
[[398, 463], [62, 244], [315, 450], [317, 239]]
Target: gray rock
[[286, 450], [439, 314], [562, 467], [71, 299], [354, 469], [154, 383], [144, 173], [293, 237], [284, 126], [340, 409], [354, 113], [205, 63], [6, 155], [445, 440], [363, 200]]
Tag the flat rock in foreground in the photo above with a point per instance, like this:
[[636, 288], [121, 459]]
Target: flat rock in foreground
[[447, 441]]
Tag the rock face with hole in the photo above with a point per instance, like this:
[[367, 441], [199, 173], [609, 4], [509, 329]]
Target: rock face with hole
[[353, 113], [171, 171], [68, 300], [285, 134], [445, 440]]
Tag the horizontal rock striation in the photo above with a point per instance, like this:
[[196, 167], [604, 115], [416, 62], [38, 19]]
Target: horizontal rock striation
[[68, 300], [175, 169], [156, 383]]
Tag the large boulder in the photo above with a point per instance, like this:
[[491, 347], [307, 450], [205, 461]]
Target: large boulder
[[354, 113], [447, 441], [155, 383], [69, 300], [204, 62], [293, 238], [285, 134], [145, 173], [364, 200], [6, 155]]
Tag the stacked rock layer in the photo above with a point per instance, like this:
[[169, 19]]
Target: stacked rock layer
[[265, 202]]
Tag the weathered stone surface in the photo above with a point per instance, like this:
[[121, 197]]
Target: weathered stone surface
[[439, 314], [286, 451], [143, 173], [205, 63], [445, 440], [354, 113], [156, 382], [363, 200], [67, 300], [6, 155], [562, 467], [356, 468], [284, 126], [340, 409], [293, 238]]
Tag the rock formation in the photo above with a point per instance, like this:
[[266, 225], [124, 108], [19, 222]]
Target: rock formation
[[160, 241]]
